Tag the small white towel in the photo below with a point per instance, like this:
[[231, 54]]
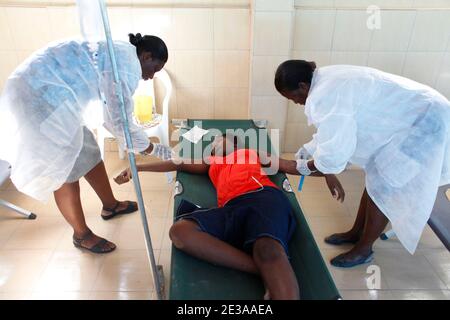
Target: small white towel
[[195, 134]]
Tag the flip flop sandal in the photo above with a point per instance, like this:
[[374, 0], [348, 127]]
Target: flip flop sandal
[[99, 247], [334, 239], [131, 207], [340, 262]]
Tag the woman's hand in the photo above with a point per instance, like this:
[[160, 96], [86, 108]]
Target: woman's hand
[[123, 177], [337, 191]]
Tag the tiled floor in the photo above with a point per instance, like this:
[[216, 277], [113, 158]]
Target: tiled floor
[[38, 260]]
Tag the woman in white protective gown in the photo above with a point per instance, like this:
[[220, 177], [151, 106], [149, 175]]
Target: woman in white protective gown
[[394, 128], [45, 107]]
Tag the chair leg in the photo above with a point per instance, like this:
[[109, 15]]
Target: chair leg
[[164, 139], [121, 152], [26, 213]]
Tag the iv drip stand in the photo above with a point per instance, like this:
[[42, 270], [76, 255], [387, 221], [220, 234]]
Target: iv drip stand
[[157, 275]]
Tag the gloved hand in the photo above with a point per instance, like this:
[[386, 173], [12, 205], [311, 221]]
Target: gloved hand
[[161, 151], [302, 154]]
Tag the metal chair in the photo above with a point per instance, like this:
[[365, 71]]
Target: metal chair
[[5, 172]]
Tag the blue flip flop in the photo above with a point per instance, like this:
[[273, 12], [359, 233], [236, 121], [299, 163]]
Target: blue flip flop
[[340, 262]]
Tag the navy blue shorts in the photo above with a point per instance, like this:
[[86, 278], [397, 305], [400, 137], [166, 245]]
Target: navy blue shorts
[[244, 219]]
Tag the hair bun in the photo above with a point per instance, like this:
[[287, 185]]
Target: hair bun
[[135, 39]]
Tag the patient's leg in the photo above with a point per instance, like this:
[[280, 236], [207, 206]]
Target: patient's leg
[[187, 236], [98, 179], [276, 271]]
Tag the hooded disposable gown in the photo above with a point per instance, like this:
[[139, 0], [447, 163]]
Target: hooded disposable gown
[[50, 97], [396, 129]]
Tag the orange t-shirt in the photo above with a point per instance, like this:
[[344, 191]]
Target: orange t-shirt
[[236, 174]]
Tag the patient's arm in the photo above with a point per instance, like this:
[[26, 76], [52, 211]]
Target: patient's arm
[[163, 166], [333, 183], [285, 166], [290, 167], [167, 166]]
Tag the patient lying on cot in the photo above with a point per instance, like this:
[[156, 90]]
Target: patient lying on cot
[[250, 228]]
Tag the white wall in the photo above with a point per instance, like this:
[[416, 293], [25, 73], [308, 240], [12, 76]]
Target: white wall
[[272, 36], [413, 41], [208, 41], [223, 53]]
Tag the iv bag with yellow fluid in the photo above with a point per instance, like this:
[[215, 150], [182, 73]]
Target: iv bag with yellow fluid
[[143, 108], [144, 102]]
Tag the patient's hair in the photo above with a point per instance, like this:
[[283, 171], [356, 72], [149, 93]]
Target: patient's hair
[[291, 72], [152, 44]]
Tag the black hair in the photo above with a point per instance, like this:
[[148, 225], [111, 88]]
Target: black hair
[[152, 44], [291, 72]]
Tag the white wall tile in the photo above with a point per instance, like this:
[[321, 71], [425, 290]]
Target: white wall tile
[[353, 58], [379, 3], [273, 109], [194, 69], [231, 29], [297, 134], [231, 69], [170, 65], [6, 40], [296, 113], [422, 66], [231, 103], [29, 27], [321, 58], [127, 2], [431, 30], [8, 62], [278, 5], [271, 34], [151, 21], [263, 74], [395, 31], [443, 77], [63, 22], [313, 30], [391, 62], [122, 22], [193, 29], [431, 4], [351, 32], [195, 103], [315, 3], [22, 55]]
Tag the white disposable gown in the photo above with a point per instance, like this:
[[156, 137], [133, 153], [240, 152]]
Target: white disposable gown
[[50, 97], [396, 129]]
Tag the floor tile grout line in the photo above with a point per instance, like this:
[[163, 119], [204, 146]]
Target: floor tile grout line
[[435, 272]]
